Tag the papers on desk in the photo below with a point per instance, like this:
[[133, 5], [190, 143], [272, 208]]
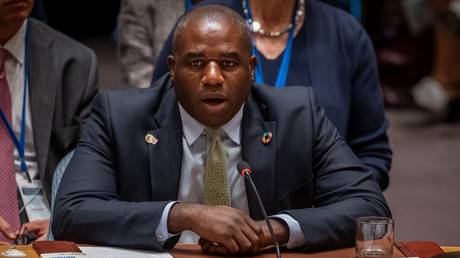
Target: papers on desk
[[112, 252], [64, 255]]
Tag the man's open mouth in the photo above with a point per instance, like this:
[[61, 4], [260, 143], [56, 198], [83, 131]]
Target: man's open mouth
[[214, 101], [213, 98]]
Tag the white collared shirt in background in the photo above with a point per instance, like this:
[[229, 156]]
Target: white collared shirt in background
[[14, 66]]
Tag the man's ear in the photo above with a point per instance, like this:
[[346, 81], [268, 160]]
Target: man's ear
[[171, 64], [252, 67]]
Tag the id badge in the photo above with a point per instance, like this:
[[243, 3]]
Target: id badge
[[33, 199]]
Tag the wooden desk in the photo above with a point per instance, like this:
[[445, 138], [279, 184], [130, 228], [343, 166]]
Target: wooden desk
[[449, 249], [30, 252], [194, 251]]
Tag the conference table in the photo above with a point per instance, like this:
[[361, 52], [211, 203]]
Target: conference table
[[193, 251]]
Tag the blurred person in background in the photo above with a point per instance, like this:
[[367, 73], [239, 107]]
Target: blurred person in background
[[47, 84], [143, 26], [310, 43], [440, 91]]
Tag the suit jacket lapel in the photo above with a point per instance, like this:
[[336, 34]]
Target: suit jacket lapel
[[261, 157], [166, 155], [43, 64]]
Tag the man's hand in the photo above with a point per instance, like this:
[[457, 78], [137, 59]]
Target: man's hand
[[280, 229], [38, 227], [229, 230], [6, 230]]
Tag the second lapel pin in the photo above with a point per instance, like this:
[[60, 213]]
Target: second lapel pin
[[267, 137]]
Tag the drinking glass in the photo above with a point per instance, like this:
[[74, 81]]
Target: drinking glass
[[374, 237]]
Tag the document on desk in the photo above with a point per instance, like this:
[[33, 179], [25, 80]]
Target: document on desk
[[113, 252]]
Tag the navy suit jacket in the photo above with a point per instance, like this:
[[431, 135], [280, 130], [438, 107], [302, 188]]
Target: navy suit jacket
[[333, 54], [116, 186]]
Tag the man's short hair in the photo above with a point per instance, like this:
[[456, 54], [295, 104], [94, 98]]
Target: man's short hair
[[213, 13]]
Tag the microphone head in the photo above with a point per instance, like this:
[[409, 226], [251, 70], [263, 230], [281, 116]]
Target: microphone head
[[243, 168]]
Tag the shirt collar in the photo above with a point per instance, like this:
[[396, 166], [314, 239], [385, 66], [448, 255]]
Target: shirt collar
[[15, 45], [193, 129]]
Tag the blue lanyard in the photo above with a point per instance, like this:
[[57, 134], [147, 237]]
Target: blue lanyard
[[355, 7], [284, 67], [20, 143], [188, 4]]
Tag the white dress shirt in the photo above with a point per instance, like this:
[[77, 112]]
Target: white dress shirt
[[14, 66], [195, 144]]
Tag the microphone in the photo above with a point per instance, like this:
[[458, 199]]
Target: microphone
[[245, 171]]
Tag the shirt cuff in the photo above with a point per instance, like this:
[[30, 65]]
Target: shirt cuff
[[296, 236], [162, 232]]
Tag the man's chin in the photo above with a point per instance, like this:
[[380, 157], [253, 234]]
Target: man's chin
[[214, 119], [17, 16]]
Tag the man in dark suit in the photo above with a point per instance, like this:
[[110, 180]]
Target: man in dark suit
[[156, 162], [60, 76]]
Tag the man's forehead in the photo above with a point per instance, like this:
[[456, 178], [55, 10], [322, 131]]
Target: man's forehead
[[214, 36], [224, 53], [211, 28], [222, 50], [205, 25], [210, 24]]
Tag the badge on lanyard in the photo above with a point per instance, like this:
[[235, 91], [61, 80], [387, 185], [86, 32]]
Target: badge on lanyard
[[34, 201]]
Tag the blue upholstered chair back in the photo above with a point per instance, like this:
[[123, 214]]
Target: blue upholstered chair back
[[58, 173]]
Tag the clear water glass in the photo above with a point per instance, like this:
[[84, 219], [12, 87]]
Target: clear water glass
[[374, 237]]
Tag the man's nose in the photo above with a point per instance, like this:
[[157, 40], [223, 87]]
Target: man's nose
[[212, 74]]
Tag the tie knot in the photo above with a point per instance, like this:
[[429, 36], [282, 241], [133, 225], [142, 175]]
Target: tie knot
[[213, 132], [3, 53]]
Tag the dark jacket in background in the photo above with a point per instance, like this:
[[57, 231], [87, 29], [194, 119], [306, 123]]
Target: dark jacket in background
[[62, 86]]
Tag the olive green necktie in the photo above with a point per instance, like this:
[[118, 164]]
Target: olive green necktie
[[216, 190]]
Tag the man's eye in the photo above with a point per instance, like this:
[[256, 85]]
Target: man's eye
[[228, 64], [196, 63]]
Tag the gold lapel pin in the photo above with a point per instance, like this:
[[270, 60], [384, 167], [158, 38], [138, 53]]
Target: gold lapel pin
[[149, 138], [267, 137]]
